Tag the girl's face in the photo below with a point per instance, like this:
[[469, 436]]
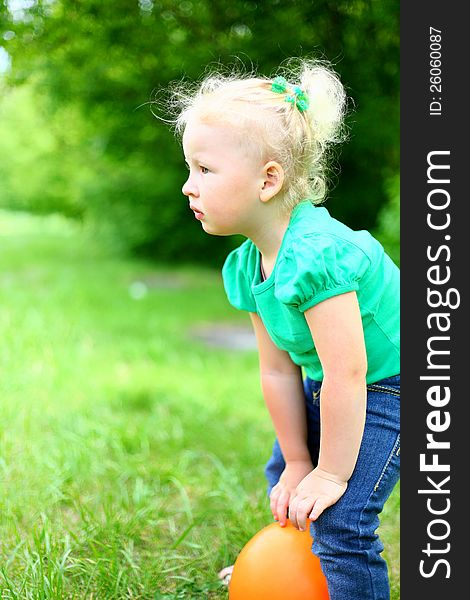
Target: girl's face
[[224, 179]]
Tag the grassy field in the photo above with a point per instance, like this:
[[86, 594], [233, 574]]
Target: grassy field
[[131, 455]]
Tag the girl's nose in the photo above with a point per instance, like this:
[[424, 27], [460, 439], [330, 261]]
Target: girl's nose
[[188, 188]]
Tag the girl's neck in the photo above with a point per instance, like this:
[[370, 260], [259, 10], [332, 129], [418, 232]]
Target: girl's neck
[[268, 240]]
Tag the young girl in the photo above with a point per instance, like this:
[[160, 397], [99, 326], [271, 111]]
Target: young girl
[[323, 299]]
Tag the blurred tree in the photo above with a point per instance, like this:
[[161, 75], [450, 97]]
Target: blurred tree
[[5, 15], [5, 34], [388, 223], [92, 65]]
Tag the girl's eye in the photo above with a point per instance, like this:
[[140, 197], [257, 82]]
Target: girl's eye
[[204, 170]]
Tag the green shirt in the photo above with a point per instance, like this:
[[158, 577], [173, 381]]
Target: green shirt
[[319, 258]]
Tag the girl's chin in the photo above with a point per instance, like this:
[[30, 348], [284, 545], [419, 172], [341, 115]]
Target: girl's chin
[[211, 230]]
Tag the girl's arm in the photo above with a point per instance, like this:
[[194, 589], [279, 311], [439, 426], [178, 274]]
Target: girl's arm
[[336, 328], [281, 383]]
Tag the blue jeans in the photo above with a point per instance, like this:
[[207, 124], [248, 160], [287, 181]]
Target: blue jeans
[[344, 535]]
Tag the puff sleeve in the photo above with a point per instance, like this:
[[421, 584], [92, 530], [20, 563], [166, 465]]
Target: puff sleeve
[[237, 275], [318, 267]]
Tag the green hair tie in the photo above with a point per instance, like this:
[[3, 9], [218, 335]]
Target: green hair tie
[[279, 85], [297, 98]]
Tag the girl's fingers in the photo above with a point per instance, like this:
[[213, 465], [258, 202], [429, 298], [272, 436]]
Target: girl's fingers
[[303, 509], [318, 507], [281, 508], [273, 500], [293, 511], [278, 503], [297, 509]]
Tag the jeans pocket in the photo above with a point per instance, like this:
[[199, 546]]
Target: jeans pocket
[[394, 454], [386, 389]]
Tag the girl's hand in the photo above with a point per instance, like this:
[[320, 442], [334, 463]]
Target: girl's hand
[[282, 492], [315, 492]]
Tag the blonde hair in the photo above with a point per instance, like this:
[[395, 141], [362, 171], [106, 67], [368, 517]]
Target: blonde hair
[[299, 140]]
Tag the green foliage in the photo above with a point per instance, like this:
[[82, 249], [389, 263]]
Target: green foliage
[[388, 230], [92, 67], [4, 15], [31, 174]]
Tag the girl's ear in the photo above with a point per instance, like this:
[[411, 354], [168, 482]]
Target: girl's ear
[[273, 179]]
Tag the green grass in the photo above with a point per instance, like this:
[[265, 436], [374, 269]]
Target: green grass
[[131, 456]]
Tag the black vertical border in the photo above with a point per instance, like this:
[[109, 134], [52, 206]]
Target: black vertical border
[[421, 133]]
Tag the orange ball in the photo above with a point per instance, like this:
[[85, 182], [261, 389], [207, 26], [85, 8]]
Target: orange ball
[[278, 564]]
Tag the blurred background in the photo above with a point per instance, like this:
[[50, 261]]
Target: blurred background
[[133, 433], [74, 77]]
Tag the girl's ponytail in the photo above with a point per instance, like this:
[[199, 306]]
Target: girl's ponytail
[[327, 103]]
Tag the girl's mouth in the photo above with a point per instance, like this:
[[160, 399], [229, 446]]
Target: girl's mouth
[[197, 213]]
